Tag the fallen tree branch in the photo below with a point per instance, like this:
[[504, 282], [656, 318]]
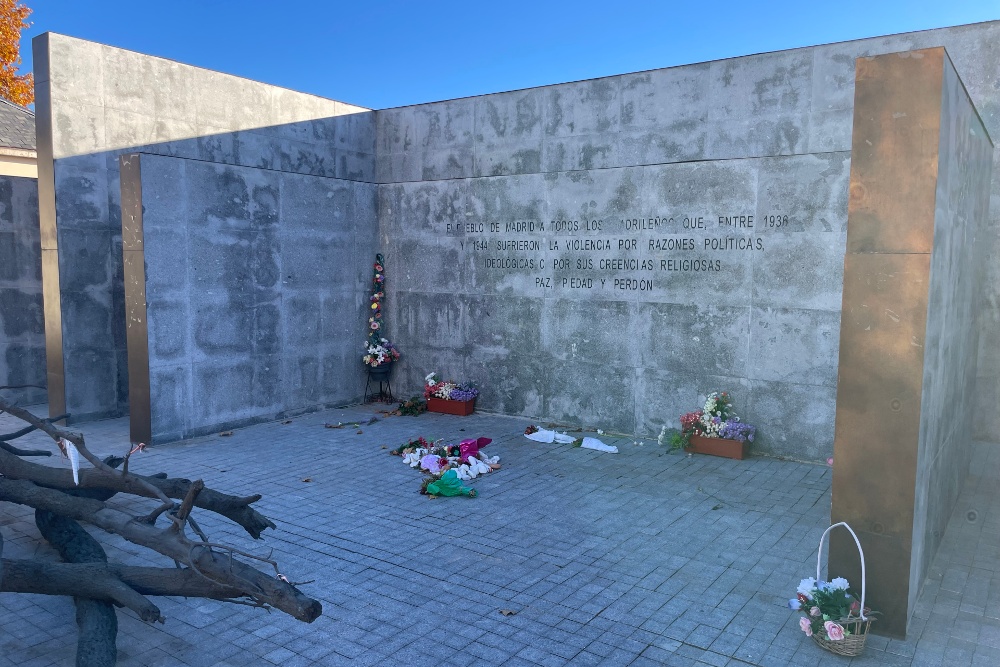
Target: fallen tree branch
[[43, 425], [28, 429], [60, 435], [16, 451], [232, 507], [89, 580], [79, 579], [182, 514], [63, 497], [213, 565]]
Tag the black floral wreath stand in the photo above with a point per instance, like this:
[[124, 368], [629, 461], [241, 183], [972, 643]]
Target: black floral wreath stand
[[380, 375]]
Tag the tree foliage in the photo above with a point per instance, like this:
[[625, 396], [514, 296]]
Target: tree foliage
[[18, 88]]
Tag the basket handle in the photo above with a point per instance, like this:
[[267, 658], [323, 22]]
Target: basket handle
[[819, 557]]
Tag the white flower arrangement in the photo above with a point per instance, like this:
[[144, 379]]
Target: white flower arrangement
[[379, 354]]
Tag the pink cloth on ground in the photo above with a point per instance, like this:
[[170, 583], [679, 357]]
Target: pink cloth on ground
[[468, 448], [431, 463]]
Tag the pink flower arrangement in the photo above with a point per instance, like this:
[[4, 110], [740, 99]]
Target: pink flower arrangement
[[827, 608]]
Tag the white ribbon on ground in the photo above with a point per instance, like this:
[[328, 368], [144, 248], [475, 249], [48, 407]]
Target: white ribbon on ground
[[594, 443], [542, 435]]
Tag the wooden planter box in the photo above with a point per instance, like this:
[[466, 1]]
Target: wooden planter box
[[730, 449], [460, 408]]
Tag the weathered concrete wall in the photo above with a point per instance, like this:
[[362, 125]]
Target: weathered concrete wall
[[257, 288], [95, 102], [610, 354], [22, 336], [757, 312], [958, 264], [766, 135]]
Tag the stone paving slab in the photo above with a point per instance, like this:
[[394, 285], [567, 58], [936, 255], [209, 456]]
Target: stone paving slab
[[637, 558]]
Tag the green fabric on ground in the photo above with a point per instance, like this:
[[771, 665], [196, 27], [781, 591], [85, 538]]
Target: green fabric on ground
[[449, 485]]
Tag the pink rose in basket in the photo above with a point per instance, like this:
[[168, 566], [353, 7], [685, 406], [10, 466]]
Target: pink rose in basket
[[806, 626], [833, 631]]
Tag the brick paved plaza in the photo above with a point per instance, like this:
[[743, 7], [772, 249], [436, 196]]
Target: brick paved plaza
[[636, 558]]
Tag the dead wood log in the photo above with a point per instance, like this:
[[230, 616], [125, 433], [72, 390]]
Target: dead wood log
[[91, 580], [97, 633], [17, 451], [28, 429], [87, 580], [234, 508], [67, 441], [221, 567], [96, 620], [203, 568]]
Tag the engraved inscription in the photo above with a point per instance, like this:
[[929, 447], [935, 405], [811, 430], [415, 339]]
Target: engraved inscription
[[634, 253]]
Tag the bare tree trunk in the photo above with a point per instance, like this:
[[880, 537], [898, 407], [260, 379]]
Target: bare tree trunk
[[96, 621]]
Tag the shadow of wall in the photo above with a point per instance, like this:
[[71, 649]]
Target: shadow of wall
[[22, 340]]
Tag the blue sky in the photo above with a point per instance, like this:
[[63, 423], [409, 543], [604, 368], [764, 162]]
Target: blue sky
[[382, 54]]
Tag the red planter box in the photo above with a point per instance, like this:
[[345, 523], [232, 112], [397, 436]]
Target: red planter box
[[460, 408], [730, 449]]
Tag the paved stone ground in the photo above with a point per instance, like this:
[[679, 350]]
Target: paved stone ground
[[639, 558]]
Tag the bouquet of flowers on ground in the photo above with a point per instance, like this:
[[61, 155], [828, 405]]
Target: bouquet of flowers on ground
[[447, 465], [434, 387], [716, 419], [829, 609]]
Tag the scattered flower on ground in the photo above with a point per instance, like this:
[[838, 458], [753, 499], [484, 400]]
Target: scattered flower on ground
[[435, 458]]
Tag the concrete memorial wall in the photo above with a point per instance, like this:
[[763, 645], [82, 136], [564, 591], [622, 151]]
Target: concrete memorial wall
[[22, 337], [96, 102], [246, 292], [601, 253], [607, 252]]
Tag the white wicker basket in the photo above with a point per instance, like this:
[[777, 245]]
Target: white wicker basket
[[854, 643]]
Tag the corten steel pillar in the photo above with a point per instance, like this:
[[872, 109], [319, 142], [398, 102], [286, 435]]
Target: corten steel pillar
[[919, 195], [136, 326], [55, 366]]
